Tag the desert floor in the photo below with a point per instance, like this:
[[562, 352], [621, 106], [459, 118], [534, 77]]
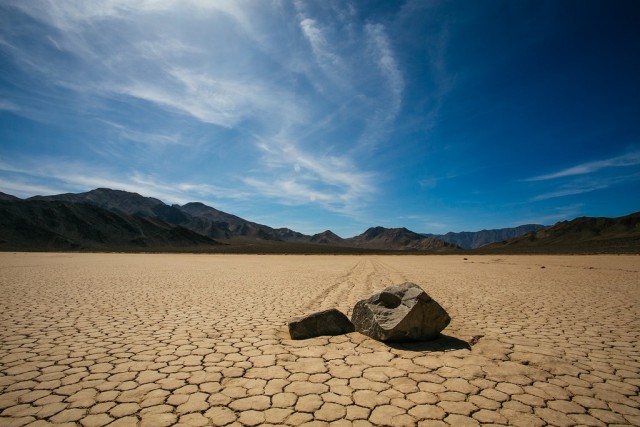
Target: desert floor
[[154, 340]]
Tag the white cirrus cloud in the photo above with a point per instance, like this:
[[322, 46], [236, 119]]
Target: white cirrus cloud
[[580, 186], [306, 90], [8, 106], [332, 181], [629, 159], [385, 59], [61, 175]]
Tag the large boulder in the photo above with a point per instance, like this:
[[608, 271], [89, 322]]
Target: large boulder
[[402, 312], [327, 322]]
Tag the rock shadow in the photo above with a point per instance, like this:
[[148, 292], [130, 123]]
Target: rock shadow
[[442, 343]]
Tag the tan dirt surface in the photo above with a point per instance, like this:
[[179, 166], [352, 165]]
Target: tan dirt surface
[[197, 340]]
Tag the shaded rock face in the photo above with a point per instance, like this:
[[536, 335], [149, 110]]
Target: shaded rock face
[[327, 322], [402, 312]]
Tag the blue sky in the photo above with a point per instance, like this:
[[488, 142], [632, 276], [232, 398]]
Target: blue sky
[[436, 116]]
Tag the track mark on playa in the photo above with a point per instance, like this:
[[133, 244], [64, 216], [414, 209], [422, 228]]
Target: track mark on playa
[[321, 298], [363, 279]]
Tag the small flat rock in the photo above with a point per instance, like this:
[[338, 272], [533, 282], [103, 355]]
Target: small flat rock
[[403, 312], [326, 322]]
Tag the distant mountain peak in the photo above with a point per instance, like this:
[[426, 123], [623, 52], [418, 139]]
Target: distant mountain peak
[[196, 207], [398, 238], [327, 237], [5, 196], [476, 239], [328, 233]]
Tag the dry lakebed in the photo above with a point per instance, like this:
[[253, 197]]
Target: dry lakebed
[[197, 340]]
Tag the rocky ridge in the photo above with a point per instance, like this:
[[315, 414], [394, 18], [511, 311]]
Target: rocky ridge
[[206, 221]]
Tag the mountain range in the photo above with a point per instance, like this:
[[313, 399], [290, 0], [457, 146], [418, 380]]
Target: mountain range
[[60, 225], [581, 235], [105, 219], [477, 239]]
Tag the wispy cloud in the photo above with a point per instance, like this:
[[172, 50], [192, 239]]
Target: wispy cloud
[[145, 137], [20, 188], [386, 104], [358, 67], [157, 67], [385, 59], [570, 190], [581, 186], [327, 51], [331, 181], [8, 106], [322, 50], [306, 90], [73, 176], [629, 159], [587, 177]]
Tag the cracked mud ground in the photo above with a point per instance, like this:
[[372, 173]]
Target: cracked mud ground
[[196, 340]]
